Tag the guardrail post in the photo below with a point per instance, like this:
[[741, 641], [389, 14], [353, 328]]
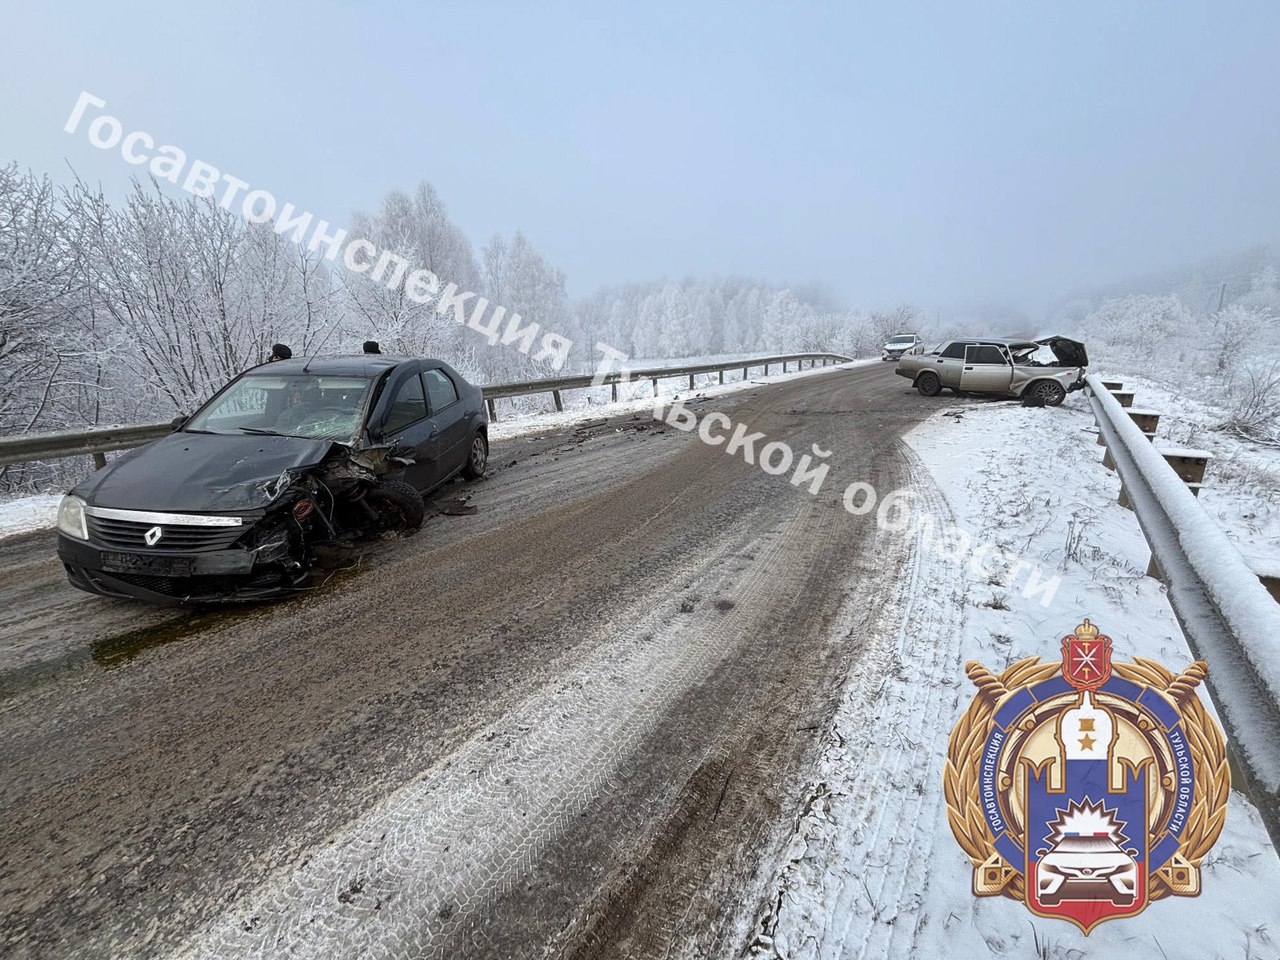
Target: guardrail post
[[722, 376], [1124, 397], [1270, 578], [1123, 499], [493, 411], [784, 366], [614, 385], [1112, 385], [99, 459], [691, 386], [655, 386], [1189, 465], [1148, 422], [559, 406], [766, 369], [745, 372]]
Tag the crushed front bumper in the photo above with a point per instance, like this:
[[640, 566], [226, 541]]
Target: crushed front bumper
[[168, 577]]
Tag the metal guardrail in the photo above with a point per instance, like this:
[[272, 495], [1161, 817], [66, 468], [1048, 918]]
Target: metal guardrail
[[99, 440], [73, 443], [613, 378], [1227, 615]]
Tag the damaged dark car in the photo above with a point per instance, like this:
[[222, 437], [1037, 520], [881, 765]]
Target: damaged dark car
[[291, 462]]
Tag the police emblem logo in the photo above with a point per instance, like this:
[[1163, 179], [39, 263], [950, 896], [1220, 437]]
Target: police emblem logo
[[1086, 788]]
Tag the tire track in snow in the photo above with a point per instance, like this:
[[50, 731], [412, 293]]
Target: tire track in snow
[[872, 813]]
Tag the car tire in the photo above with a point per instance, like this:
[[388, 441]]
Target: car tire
[[399, 506], [928, 384], [477, 457], [1049, 391]]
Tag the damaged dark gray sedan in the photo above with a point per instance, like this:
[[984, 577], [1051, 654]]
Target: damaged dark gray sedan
[[287, 462]]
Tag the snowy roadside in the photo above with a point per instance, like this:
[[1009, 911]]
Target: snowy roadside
[[637, 397], [872, 869], [1242, 483], [24, 514]]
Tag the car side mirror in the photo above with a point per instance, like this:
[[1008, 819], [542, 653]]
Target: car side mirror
[[177, 422]]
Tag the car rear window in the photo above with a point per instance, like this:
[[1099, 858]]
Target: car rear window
[[955, 350]]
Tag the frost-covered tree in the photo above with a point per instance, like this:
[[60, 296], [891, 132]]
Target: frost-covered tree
[[418, 230], [520, 279]]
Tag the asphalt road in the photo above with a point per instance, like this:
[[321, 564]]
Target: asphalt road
[[569, 724]]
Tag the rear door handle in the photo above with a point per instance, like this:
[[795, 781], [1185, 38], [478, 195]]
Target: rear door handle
[[968, 368]]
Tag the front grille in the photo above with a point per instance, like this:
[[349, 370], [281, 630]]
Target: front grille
[[174, 537]]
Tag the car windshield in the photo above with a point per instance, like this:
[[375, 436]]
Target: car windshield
[[312, 406], [902, 340]]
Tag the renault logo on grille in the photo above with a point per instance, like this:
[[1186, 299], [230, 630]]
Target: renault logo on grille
[[153, 536]]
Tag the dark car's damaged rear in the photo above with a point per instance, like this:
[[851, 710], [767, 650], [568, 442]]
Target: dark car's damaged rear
[[288, 462]]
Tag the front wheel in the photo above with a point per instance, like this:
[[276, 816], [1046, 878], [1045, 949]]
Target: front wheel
[[398, 508], [477, 457], [928, 384], [1050, 392]]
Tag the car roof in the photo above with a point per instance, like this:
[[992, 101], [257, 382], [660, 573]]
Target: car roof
[[1001, 341], [353, 365]]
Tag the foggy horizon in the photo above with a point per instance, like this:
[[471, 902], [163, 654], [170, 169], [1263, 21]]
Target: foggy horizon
[[969, 165]]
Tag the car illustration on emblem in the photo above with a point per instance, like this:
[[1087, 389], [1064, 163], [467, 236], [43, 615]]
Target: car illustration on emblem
[[1086, 868]]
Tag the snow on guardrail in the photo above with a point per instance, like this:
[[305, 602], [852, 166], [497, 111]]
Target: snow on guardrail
[[1228, 616]]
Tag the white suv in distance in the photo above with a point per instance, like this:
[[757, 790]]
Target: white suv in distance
[[900, 344]]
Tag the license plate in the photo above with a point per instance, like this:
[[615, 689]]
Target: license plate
[[153, 566]]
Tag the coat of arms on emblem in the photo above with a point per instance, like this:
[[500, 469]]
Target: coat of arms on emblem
[[1084, 787]]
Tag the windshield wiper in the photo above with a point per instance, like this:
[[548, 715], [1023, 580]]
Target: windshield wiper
[[261, 432]]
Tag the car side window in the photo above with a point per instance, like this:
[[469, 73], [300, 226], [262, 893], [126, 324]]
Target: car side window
[[440, 389], [985, 353], [955, 350], [408, 406]]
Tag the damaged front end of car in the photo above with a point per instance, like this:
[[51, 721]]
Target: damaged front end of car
[[276, 532], [1045, 381]]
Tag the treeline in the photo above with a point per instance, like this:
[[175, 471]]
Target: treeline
[[135, 311], [1214, 331]]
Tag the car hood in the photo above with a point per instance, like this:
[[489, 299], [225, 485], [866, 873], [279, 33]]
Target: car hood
[[1069, 353], [203, 473]]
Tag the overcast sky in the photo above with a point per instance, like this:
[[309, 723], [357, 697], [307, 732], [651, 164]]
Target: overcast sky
[[944, 153]]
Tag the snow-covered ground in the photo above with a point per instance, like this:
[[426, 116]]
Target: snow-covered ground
[[873, 870], [1242, 488], [24, 514]]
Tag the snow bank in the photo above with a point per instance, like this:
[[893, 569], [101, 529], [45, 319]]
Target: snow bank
[[873, 870], [28, 513]]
